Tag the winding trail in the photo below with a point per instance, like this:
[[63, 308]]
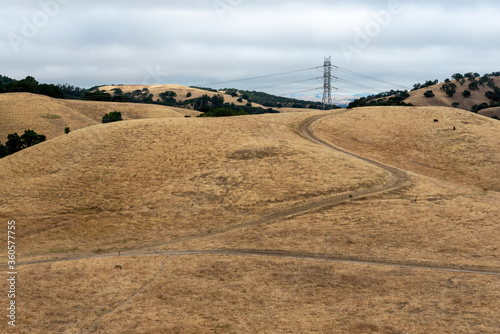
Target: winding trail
[[399, 178]]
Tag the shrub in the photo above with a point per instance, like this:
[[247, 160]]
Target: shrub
[[113, 116], [117, 91], [473, 85], [493, 95], [189, 94], [478, 108], [98, 95], [466, 93], [491, 83], [429, 94], [449, 88], [455, 104], [223, 112], [67, 130]]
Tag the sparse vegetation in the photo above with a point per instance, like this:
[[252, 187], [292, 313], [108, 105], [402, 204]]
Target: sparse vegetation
[[205, 88], [235, 171], [223, 112], [114, 116], [427, 84], [391, 98]]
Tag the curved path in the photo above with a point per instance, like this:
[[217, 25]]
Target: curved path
[[398, 179]]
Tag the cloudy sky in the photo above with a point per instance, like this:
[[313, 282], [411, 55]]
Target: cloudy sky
[[202, 42]]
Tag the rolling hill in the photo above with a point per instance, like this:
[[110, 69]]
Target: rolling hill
[[417, 97], [181, 91], [243, 225], [49, 116]]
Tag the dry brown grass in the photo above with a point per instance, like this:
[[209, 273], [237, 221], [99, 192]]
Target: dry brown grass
[[417, 97], [48, 116], [69, 297], [448, 226], [23, 111], [137, 183], [181, 91], [490, 112], [140, 182], [409, 139], [227, 294]]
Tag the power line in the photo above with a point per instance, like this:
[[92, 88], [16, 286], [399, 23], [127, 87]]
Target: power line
[[357, 85], [302, 91], [326, 78], [368, 77], [259, 77], [287, 83]]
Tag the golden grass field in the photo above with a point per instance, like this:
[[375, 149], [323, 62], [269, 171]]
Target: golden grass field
[[48, 116], [162, 191]]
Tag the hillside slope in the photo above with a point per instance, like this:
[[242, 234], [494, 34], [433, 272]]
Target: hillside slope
[[45, 115], [408, 137], [417, 97], [48, 116], [180, 90], [162, 190], [134, 182]]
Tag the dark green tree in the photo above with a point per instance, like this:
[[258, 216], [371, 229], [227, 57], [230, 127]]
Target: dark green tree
[[449, 88], [217, 101], [493, 95], [51, 90], [466, 93], [27, 85], [30, 138], [98, 96], [114, 116], [4, 151], [473, 85], [14, 143], [469, 76], [429, 94]]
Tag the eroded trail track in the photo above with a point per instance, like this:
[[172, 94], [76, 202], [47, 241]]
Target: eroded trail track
[[398, 179]]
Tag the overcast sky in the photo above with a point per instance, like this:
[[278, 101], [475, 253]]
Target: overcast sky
[[402, 42]]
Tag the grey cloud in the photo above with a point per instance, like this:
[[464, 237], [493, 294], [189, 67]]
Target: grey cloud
[[192, 42]]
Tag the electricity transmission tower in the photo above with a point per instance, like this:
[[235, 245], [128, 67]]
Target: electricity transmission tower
[[327, 85]]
